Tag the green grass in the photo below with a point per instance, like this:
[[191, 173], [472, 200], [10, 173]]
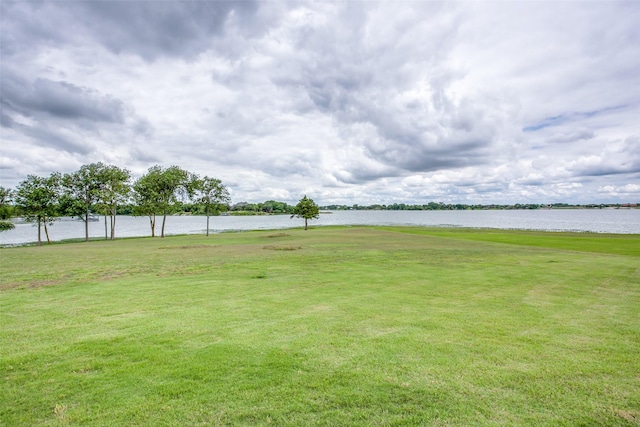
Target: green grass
[[332, 326]]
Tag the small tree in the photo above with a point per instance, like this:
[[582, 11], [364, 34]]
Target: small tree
[[145, 196], [6, 225], [158, 192], [37, 198], [6, 196], [82, 190], [306, 209], [210, 194], [114, 191]]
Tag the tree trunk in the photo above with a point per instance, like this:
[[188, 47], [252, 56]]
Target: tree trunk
[[113, 223], [164, 219], [46, 232], [152, 222], [86, 226], [39, 232], [305, 223], [207, 221]]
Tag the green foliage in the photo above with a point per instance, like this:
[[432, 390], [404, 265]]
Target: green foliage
[[268, 207], [210, 194], [359, 326], [306, 209], [6, 225], [274, 207], [440, 206], [95, 186], [6, 197], [114, 191], [83, 187], [159, 192], [37, 198]]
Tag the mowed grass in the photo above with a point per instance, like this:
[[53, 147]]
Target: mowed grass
[[354, 326]]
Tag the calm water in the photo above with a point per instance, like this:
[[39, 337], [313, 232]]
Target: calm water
[[619, 221]]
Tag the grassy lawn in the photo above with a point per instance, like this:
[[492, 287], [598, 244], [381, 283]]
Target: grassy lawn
[[332, 326]]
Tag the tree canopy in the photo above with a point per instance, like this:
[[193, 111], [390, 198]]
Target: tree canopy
[[82, 191], [105, 189], [114, 190], [307, 209], [6, 195], [158, 192], [210, 194], [37, 198]]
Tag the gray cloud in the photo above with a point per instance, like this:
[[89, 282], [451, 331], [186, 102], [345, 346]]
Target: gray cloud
[[56, 113], [6, 121], [617, 158], [149, 29], [380, 85], [26, 26], [352, 101], [58, 99], [62, 141], [152, 29], [573, 136]]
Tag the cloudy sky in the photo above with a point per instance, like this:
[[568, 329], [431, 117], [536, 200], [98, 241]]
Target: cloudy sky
[[346, 102]]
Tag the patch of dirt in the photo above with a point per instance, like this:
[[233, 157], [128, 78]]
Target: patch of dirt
[[271, 236], [45, 283], [632, 417], [187, 247], [6, 286], [112, 275], [282, 247]]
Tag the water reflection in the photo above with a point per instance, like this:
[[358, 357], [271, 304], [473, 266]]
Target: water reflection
[[620, 221]]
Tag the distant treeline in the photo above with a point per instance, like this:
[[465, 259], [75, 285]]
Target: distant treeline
[[274, 207], [241, 208], [433, 206]]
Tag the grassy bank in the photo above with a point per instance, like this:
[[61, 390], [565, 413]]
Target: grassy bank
[[332, 326]]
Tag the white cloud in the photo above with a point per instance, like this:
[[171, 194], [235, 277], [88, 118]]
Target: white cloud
[[633, 189], [350, 102]]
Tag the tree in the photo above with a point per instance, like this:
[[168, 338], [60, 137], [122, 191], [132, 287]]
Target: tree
[[210, 194], [6, 196], [37, 198], [145, 196], [158, 192], [82, 191], [114, 191], [306, 209], [6, 225]]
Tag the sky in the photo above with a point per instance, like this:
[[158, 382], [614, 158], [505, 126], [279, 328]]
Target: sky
[[347, 102]]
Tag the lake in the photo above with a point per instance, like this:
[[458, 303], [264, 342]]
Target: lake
[[618, 221]]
